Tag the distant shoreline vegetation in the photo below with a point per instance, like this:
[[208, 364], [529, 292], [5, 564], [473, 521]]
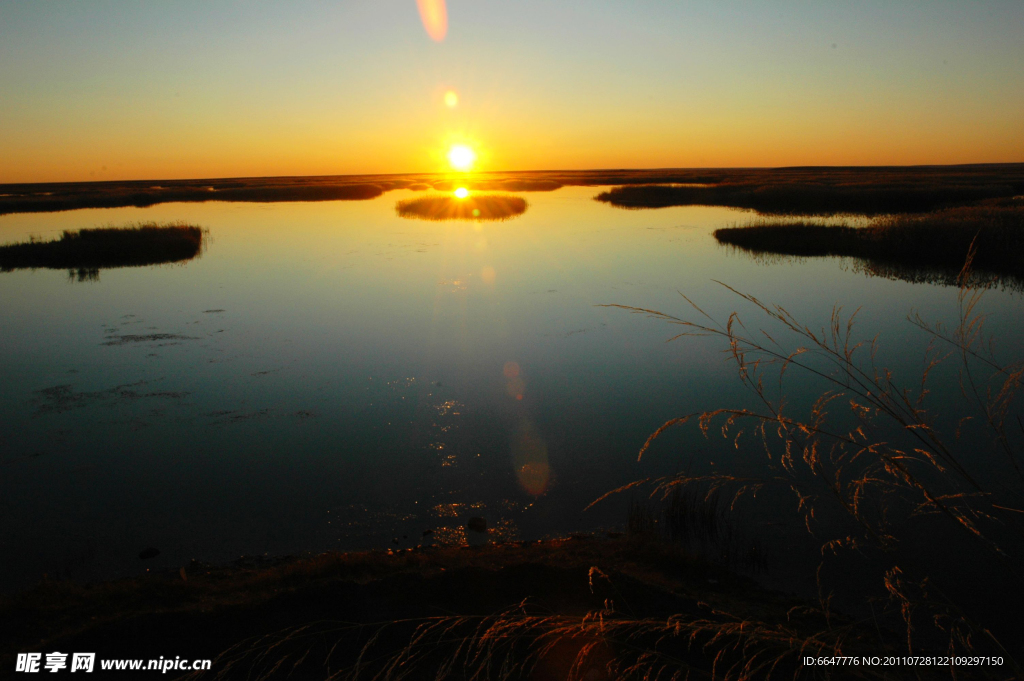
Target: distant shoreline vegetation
[[120, 196], [86, 251], [871, 198], [919, 247], [480, 207], [790, 191]]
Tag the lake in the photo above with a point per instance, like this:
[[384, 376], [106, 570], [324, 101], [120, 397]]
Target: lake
[[333, 376]]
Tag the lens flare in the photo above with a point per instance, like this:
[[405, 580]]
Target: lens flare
[[435, 18], [451, 99], [461, 193], [461, 157], [530, 460]]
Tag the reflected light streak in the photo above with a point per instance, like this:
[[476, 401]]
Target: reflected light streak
[[530, 460], [515, 386], [435, 18]]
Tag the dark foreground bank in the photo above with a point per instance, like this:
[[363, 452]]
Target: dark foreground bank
[[573, 608]]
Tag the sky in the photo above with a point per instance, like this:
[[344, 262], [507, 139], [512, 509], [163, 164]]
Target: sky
[[118, 90]]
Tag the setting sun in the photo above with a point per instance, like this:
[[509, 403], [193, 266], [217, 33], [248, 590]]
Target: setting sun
[[451, 99], [461, 157]]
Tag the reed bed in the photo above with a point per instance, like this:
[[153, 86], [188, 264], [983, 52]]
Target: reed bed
[[85, 251], [883, 192], [799, 190], [520, 643], [929, 244], [107, 195], [700, 521], [473, 207]]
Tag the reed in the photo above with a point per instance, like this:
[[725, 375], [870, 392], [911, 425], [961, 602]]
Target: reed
[[473, 207], [873, 467], [813, 198], [700, 521], [523, 643], [86, 251], [921, 246], [118, 195]]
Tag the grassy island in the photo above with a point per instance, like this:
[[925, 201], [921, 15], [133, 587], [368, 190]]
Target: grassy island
[[473, 207], [102, 247], [929, 246], [832, 191]]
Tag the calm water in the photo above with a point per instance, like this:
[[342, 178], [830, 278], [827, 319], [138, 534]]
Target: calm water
[[332, 376]]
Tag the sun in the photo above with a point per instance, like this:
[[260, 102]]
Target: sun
[[451, 99], [461, 193], [461, 157]]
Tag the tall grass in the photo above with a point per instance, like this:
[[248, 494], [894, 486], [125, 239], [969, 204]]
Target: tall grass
[[873, 468], [474, 207], [522, 643], [86, 251], [701, 521], [831, 191], [117, 195], [929, 245]]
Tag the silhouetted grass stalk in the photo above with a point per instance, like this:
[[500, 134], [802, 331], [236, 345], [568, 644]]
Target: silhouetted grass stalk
[[516, 643], [875, 481]]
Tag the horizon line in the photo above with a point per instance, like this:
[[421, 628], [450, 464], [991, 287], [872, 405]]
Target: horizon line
[[522, 172]]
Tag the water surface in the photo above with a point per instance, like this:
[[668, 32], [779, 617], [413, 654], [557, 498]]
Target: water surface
[[332, 376]]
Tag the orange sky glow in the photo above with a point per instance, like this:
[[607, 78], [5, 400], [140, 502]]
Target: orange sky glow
[[100, 91]]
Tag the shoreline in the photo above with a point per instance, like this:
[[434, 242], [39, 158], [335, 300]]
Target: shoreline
[[778, 190], [203, 610]]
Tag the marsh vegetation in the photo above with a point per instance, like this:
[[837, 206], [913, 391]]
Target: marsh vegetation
[[789, 191], [47, 198], [472, 207], [86, 251], [437, 613], [918, 247], [831, 191], [923, 501]]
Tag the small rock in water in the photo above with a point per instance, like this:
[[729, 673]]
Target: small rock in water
[[148, 553], [477, 524], [427, 533], [395, 540]]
